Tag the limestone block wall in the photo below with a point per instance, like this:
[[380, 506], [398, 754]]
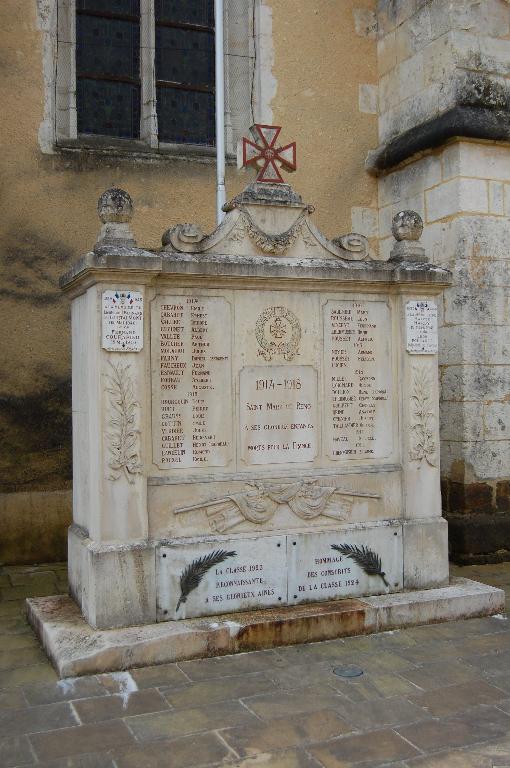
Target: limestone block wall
[[444, 125], [438, 54], [463, 194]]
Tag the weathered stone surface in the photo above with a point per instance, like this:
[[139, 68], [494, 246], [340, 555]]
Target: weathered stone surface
[[261, 370], [76, 649]]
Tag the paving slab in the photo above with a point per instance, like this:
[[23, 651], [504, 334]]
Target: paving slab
[[430, 696]]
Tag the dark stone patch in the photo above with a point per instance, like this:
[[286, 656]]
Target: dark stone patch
[[503, 496], [472, 497], [479, 538], [35, 432]]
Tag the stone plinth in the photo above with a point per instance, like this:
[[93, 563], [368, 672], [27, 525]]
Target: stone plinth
[[77, 649]]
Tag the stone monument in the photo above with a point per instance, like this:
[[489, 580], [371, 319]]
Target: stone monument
[[255, 428]]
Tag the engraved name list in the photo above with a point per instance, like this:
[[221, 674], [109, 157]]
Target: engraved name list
[[192, 415]]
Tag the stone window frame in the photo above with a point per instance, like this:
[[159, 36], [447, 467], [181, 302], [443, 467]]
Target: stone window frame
[[247, 39]]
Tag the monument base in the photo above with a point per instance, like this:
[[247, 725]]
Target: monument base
[[75, 648]]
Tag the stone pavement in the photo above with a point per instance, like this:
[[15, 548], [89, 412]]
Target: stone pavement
[[433, 697]]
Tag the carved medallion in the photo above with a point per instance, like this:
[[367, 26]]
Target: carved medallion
[[278, 332]]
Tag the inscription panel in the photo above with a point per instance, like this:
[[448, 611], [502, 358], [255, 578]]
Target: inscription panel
[[220, 577], [278, 414], [122, 321], [421, 327], [357, 379], [192, 383], [344, 563]]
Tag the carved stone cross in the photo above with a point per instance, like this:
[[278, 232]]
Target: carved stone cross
[[263, 153]]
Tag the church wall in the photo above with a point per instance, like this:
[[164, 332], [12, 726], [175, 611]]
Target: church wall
[[323, 61], [444, 74]]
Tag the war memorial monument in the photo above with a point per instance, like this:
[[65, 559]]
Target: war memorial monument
[[255, 436]]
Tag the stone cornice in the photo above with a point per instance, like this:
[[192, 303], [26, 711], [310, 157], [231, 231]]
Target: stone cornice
[[458, 122]]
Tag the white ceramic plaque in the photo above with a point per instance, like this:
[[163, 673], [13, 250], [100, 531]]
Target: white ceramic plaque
[[421, 327], [278, 414], [357, 380], [319, 571], [122, 321], [221, 576], [191, 382]]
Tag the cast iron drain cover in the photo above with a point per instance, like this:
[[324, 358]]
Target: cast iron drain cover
[[348, 670]]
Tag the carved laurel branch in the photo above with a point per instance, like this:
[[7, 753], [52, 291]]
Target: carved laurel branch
[[275, 244], [423, 443], [123, 435]]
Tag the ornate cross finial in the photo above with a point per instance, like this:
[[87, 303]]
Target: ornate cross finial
[[263, 153]]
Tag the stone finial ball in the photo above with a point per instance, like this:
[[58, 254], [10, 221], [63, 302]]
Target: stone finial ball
[[407, 225], [115, 205]]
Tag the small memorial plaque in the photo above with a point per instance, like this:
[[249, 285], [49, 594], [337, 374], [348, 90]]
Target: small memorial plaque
[[221, 576], [421, 327], [345, 563], [122, 326], [278, 414]]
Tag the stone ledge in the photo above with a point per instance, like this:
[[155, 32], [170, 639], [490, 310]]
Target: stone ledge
[[75, 648], [459, 122]]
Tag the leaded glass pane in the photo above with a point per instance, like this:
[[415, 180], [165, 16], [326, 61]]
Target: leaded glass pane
[[186, 11], [124, 7], [108, 108], [184, 56], [107, 47], [185, 117]]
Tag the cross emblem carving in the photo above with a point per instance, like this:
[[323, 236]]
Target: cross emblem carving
[[264, 154]]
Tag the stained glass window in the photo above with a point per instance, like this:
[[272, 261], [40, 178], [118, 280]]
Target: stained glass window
[[185, 71], [108, 67], [108, 87]]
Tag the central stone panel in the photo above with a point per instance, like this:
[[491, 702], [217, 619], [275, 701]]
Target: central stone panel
[[278, 414], [263, 403]]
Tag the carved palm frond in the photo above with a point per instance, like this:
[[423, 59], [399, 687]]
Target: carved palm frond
[[368, 560], [193, 574]]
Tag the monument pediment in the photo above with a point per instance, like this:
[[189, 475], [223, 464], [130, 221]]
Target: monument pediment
[[266, 220]]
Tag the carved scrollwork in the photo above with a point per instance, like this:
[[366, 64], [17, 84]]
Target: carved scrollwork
[[423, 441], [307, 499], [354, 243], [123, 434], [183, 237]]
